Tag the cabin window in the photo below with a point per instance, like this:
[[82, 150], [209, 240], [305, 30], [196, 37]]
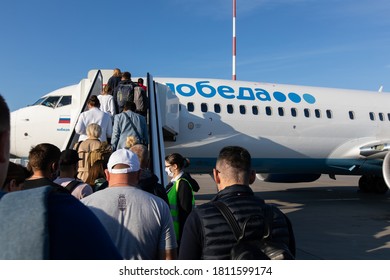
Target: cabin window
[[317, 113], [203, 107], [242, 110], [294, 112], [329, 114], [372, 116], [65, 100], [255, 110], [388, 116], [230, 109], [352, 115], [268, 111], [281, 111], [306, 112], [381, 117], [217, 108], [190, 107]]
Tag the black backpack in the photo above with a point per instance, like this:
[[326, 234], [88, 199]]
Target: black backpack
[[254, 249], [124, 93]]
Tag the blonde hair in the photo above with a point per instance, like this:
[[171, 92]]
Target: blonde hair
[[94, 130], [117, 72], [131, 141]]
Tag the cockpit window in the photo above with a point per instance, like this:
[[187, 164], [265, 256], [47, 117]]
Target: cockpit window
[[39, 101], [51, 101], [65, 100]]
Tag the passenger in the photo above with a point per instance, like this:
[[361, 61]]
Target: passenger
[[123, 92], [140, 98], [43, 159], [126, 124], [106, 101], [205, 226], [94, 115], [16, 175], [69, 162], [60, 227], [148, 181], [85, 147], [180, 191], [141, 83], [96, 176], [114, 80], [138, 222]]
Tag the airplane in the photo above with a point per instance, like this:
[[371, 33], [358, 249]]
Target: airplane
[[294, 133]]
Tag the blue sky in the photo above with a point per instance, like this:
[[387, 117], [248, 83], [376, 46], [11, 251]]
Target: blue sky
[[49, 44]]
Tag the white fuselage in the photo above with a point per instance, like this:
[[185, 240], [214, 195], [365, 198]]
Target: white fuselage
[[286, 128]]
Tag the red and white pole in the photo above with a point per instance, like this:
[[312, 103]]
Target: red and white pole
[[234, 41]]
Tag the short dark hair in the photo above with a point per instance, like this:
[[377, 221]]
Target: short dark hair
[[43, 155], [126, 75], [94, 101], [130, 105], [236, 157], [16, 172]]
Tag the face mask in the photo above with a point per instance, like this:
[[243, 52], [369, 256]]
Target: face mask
[[168, 171]]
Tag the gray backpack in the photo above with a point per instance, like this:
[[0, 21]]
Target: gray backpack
[[140, 100]]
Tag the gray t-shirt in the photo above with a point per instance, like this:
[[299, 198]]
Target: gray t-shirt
[[139, 223]]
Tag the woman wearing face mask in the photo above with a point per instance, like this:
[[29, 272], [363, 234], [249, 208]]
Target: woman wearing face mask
[[180, 191]]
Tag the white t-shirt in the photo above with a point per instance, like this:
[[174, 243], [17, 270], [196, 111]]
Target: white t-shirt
[[107, 103], [139, 223], [94, 115]]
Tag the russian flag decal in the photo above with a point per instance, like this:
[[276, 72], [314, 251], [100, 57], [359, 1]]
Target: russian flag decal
[[64, 119]]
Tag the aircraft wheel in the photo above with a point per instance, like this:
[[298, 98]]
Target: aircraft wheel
[[365, 183], [380, 186]]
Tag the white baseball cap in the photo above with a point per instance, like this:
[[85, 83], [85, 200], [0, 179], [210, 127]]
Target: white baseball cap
[[123, 156]]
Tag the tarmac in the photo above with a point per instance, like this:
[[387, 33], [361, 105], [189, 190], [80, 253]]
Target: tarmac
[[332, 219]]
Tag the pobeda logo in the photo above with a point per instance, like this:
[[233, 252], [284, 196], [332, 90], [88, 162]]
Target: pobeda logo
[[206, 90]]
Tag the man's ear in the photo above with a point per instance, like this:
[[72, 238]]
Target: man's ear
[[107, 174], [216, 176], [54, 167], [252, 177]]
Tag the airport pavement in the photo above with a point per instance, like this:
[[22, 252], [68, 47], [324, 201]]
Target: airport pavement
[[332, 220]]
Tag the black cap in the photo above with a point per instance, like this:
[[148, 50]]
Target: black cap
[[69, 157]]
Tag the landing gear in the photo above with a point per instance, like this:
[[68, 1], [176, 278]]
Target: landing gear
[[372, 184]]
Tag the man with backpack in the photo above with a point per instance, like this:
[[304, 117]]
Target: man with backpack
[[69, 161], [123, 92], [208, 235]]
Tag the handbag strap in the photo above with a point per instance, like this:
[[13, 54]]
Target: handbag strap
[[134, 127], [228, 215], [236, 229]]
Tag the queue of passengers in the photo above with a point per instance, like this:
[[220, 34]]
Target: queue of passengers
[[122, 212]]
